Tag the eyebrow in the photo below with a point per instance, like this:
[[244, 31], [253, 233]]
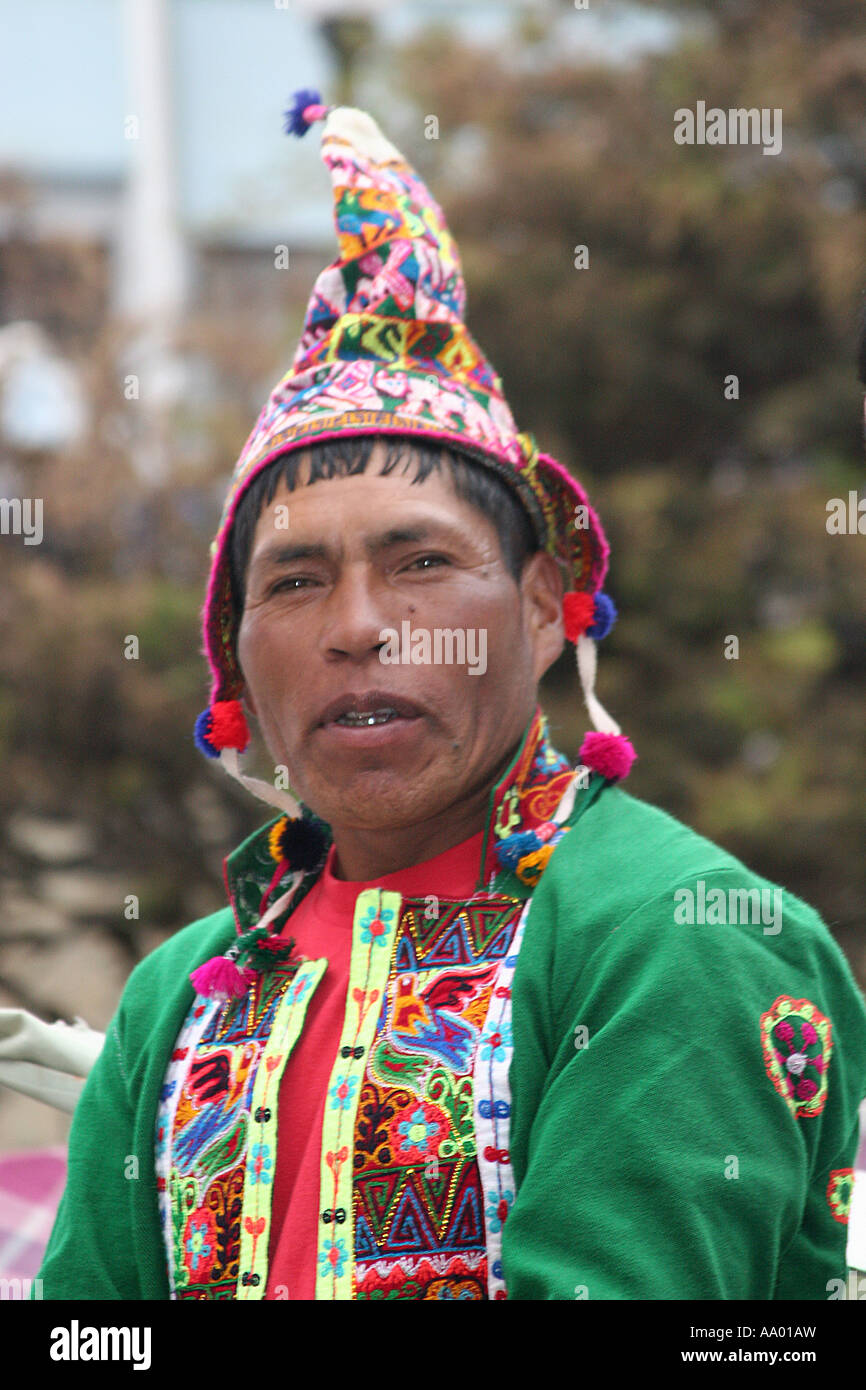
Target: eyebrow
[[395, 535]]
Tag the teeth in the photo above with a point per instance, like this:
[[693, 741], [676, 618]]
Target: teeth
[[379, 716]]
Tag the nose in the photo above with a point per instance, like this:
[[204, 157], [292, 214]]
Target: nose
[[358, 608]]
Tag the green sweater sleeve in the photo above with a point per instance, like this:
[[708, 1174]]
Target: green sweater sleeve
[[92, 1251], [653, 1156], [106, 1242]]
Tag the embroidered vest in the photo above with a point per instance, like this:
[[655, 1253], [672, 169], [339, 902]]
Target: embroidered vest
[[416, 1182]]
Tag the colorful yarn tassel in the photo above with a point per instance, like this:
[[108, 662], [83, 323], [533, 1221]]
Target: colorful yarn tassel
[[222, 725], [593, 614], [610, 754], [526, 852], [300, 842], [578, 611], [605, 615], [220, 978], [510, 851], [306, 107], [260, 950]]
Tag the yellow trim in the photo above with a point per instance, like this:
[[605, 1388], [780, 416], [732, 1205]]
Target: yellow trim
[[368, 980], [257, 1198]]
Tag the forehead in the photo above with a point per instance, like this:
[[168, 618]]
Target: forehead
[[359, 502]]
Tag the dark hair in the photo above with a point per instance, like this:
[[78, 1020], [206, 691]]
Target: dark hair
[[338, 458]]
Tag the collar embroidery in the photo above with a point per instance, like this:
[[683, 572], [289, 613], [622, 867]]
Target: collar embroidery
[[520, 804]]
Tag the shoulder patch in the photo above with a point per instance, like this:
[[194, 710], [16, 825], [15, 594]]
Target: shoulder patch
[[840, 1190], [797, 1041]]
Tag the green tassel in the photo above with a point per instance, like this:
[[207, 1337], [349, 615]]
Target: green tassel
[[260, 957]]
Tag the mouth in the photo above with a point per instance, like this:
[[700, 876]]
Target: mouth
[[369, 722], [368, 710], [355, 720]]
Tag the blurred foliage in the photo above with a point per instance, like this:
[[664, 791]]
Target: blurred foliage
[[703, 261]]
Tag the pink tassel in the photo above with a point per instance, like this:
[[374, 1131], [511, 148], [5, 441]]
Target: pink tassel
[[220, 978], [610, 754]]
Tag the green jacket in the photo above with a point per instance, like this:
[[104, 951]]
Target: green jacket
[[673, 1111]]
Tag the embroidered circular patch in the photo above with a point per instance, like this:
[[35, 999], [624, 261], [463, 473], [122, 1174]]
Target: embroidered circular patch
[[840, 1190], [417, 1130], [797, 1042]]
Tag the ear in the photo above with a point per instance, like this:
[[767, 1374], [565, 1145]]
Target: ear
[[541, 588]]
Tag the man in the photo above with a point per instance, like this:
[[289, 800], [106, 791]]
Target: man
[[476, 1024]]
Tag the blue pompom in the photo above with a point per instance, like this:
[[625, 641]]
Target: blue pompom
[[200, 734], [295, 123], [513, 847], [605, 617]]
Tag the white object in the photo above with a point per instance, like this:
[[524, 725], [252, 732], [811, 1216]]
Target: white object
[[42, 403], [48, 1061]]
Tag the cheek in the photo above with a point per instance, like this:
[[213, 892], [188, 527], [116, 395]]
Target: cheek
[[500, 620], [471, 599], [496, 614], [263, 645]]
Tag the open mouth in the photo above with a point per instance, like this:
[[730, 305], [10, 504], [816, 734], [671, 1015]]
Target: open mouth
[[367, 719], [355, 720]]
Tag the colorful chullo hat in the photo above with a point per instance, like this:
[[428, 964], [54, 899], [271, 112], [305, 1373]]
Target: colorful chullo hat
[[385, 351]]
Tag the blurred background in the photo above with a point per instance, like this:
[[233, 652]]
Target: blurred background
[[159, 238]]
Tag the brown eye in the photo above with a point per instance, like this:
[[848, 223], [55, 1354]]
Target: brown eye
[[439, 559], [287, 584]]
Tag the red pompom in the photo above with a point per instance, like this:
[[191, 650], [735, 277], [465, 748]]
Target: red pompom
[[228, 725], [578, 613], [610, 754]]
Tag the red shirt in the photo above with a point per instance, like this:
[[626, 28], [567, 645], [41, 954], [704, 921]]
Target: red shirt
[[322, 926]]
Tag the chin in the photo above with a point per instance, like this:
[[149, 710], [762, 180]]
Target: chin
[[377, 801]]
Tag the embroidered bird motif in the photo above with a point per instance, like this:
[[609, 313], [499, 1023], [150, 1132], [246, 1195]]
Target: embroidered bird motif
[[425, 1018], [218, 1084]]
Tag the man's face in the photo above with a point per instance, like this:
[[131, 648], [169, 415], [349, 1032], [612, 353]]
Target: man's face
[[366, 553]]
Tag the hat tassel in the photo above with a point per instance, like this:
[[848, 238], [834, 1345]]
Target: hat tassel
[[221, 977], [273, 796], [607, 750]]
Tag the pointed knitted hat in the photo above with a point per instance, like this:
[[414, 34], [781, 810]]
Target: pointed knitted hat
[[385, 351]]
